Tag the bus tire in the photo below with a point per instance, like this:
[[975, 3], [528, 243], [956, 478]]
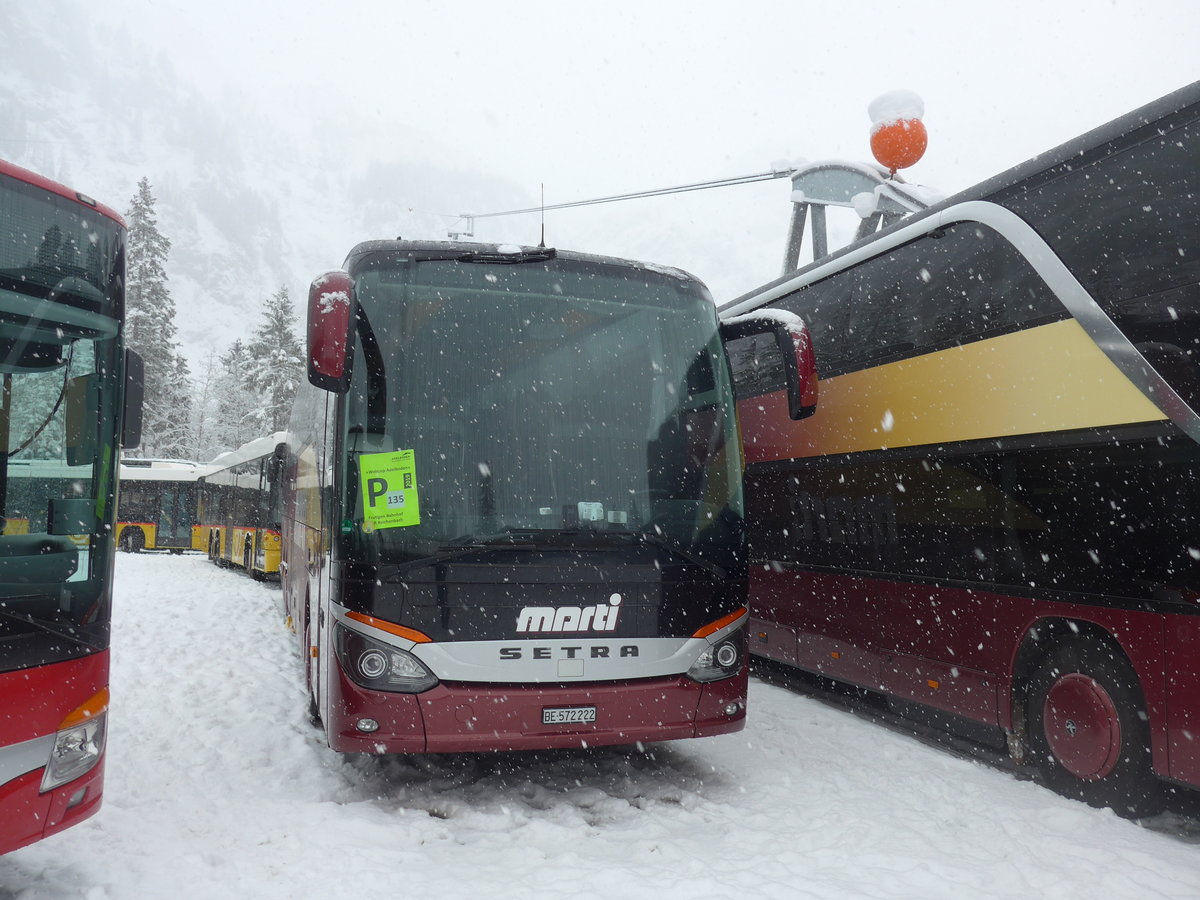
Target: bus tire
[[248, 560], [1088, 731], [314, 712], [313, 715], [132, 540]]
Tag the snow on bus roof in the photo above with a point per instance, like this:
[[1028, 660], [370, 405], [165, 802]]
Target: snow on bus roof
[[262, 446], [138, 469]]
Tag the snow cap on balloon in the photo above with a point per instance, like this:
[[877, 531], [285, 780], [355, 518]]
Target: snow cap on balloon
[[898, 136]]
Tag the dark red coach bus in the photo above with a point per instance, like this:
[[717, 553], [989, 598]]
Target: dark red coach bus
[[513, 502]]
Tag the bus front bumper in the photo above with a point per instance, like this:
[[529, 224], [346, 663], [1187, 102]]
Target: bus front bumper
[[454, 718], [33, 704], [27, 815]]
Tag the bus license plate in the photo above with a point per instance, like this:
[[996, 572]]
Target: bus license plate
[[568, 715]]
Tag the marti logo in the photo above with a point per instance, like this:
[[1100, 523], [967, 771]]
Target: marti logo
[[569, 619]]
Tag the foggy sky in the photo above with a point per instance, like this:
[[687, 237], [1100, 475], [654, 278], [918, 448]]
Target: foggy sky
[[593, 99]]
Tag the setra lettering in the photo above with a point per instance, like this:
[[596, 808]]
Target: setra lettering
[[622, 651]]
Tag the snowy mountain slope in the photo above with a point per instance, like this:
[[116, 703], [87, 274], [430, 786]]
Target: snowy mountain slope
[[253, 198], [250, 199]]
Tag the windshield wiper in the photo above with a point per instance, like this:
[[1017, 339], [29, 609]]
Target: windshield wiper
[[673, 546], [49, 628], [518, 536], [514, 538], [461, 546], [509, 538]]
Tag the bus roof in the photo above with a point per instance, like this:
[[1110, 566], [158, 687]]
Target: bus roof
[[254, 449], [33, 178], [502, 253], [162, 470]]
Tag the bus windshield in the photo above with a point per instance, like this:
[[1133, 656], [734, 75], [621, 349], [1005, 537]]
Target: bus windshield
[[546, 399], [60, 286]]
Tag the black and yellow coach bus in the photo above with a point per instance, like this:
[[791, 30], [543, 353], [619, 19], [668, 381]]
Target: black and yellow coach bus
[[993, 519]]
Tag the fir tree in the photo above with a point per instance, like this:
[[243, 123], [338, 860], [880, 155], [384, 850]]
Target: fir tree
[[206, 411], [150, 313], [176, 439], [277, 362], [235, 400], [150, 326]]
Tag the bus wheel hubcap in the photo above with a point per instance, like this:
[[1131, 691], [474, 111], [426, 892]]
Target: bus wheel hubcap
[[1082, 726]]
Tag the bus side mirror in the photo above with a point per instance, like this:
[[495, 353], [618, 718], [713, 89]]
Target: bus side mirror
[[329, 320], [795, 349], [135, 394]]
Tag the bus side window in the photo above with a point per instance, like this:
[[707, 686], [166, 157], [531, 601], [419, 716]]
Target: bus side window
[[977, 284]]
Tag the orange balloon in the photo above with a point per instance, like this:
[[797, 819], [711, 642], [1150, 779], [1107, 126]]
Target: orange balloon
[[899, 145]]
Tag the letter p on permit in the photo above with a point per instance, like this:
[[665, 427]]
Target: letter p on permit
[[376, 487]]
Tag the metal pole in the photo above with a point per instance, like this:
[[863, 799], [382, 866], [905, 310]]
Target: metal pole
[[868, 226], [819, 233], [791, 254]]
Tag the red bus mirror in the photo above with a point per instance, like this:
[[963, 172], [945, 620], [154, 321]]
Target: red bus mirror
[[795, 348], [805, 359], [329, 318]]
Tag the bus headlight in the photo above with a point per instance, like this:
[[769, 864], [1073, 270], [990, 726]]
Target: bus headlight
[[76, 750], [379, 667], [720, 660]]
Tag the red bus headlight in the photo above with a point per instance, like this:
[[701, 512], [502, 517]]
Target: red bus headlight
[[720, 660], [379, 667]]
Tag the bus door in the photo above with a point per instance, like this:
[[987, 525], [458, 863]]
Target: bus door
[[175, 523]]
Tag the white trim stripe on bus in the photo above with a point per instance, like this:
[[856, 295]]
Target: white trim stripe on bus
[[562, 659], [20, 759]]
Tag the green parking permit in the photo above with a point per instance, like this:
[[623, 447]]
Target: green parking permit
[[389, 490]]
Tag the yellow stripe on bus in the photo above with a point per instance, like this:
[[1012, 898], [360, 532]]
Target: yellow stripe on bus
[[1045, 379]]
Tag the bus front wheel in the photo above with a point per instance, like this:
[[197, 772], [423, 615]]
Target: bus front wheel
[[1088, 731], [248, 561], [132, 540], [214, 548]]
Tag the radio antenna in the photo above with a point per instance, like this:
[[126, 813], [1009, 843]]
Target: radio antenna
[[543, 208]]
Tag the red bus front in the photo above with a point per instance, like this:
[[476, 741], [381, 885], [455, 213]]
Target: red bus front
[[61, 385], [52, 757]]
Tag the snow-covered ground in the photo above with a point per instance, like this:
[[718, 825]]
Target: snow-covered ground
[[217, 787]]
